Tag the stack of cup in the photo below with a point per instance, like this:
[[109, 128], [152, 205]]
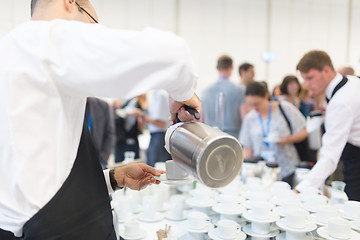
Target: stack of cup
[[297, 225], [227, 229], [260, 217], [338, 229]]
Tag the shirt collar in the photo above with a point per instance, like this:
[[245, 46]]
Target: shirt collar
[[223, 78], [330, 88]]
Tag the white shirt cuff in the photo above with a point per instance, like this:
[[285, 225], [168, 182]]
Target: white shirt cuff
[[107, 179]]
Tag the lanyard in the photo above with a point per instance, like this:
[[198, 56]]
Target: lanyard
[[266, 133], [89, 122]]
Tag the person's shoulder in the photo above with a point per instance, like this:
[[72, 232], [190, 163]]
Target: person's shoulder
[[250, 116]]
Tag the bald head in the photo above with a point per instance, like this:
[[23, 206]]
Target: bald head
[[346, 70]]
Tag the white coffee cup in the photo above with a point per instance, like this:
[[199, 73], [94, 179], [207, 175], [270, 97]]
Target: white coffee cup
[[228, 202], [260, 228], [258, 196], [228, 229], [325, 213], [160, 166], [279, 186], [297, 218], [197, 220], [174, 171], [131, 228], [177, 205], [339, 228], [202, 195], [261, 210], [291, 204], [352, 209], [317, 200], [149, 206]]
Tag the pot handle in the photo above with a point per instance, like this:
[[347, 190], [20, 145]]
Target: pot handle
[[192, 111]]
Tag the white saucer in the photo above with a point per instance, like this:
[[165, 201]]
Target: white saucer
[[158, 217], [281, 211], [324, 234], [308, 228], [309, 208], [193, 203], [163, 179], [346, 216], [170, 217], [282, 236], [213, 234], [236, 211], [315, 218], [355, 226], [249, 216], [141, 234], [247, 229], [203, 230]]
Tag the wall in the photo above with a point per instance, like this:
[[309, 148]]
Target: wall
[[244, 29]]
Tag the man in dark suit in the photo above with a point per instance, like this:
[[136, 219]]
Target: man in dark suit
[[100, 121]]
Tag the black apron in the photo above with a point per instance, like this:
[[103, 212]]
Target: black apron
[[81, 208], [351, 158]]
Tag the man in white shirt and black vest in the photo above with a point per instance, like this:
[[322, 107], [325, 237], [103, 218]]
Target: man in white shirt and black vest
[[342, 122], [51, 182]]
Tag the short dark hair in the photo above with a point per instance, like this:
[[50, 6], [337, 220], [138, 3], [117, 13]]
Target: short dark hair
[[286, 81], [256, 89], [315, 59], [224, 62], [245, 67], [34, 2]]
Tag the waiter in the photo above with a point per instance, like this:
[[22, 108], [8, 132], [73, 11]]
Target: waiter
[[51, 182], [342, 122]]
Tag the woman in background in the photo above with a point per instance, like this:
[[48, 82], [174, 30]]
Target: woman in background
[[265, 131], [291, 89]]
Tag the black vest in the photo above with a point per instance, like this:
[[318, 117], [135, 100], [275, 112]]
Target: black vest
[[81, 208]]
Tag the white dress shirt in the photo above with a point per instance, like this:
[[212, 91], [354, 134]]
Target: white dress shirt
[[342, 124], [157, 110], [47, 69]]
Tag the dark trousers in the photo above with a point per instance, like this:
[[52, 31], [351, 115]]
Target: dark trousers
[[289, 179], [156, 151], [351, 170], [121, 147]]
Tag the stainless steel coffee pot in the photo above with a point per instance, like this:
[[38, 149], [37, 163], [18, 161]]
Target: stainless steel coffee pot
[[211, 156]]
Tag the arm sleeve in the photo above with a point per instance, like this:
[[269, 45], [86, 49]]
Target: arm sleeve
[[334, 141], [245, 133], [92, 60]]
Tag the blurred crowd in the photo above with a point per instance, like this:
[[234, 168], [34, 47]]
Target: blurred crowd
[[269, 123]]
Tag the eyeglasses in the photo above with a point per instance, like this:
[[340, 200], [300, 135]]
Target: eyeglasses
[[81, 8]]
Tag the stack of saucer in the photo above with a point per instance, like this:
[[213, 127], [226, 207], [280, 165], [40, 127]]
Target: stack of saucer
[[149, 213], [297, 225], [338, 229], [132, 231], [287, 204], [197, 225], [324, 213], [351, 210], [313, 203], [227, 230], [201, 200], [229, 207], [261, 218]]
